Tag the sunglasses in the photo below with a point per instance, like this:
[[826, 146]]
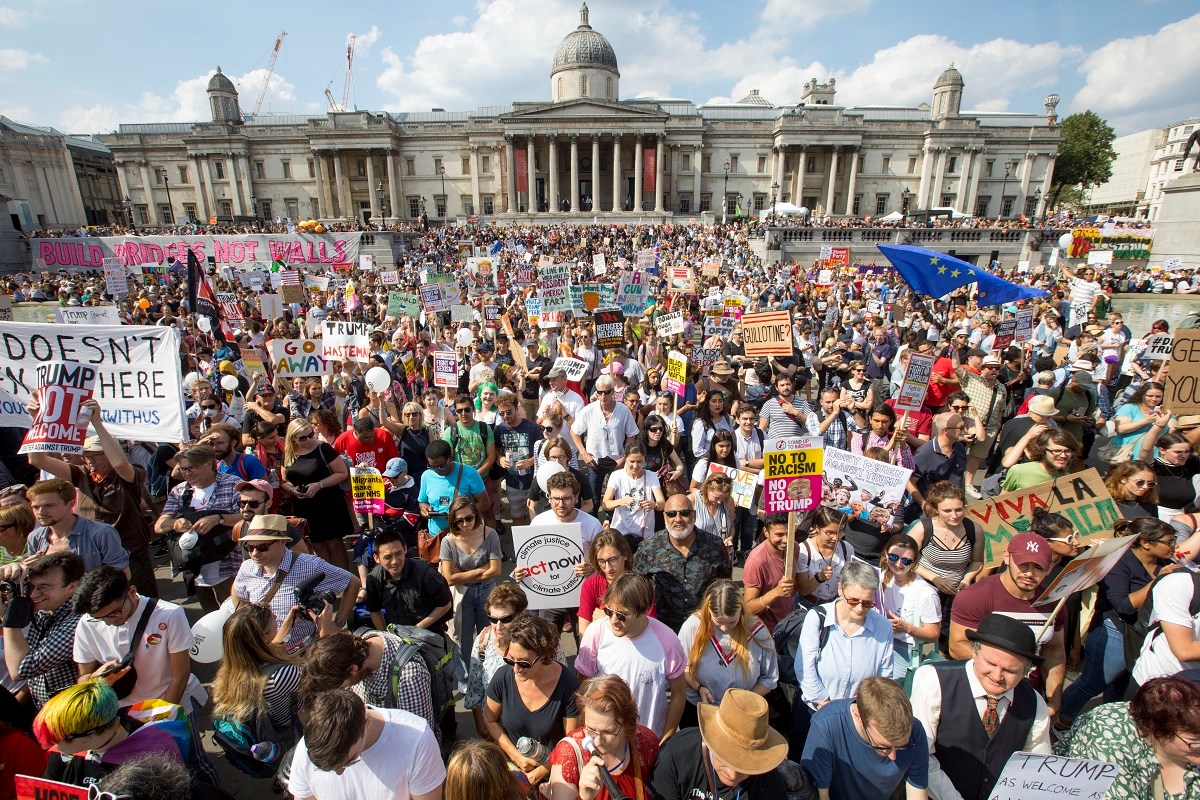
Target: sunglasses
[[1145, 484], [655, 430], [257, 548], [959, 408], [518, 662], [468, 520], [867, 604], [682, 512], [465, 410], [305, 437], [549, 428], [620, 616], [91, 732], [250, 503], [604, 392], [502, 620], [898, 559]]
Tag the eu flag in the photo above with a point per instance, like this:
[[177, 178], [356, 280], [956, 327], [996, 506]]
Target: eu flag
[[936, 274]]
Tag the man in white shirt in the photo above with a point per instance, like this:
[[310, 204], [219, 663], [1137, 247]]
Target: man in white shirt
[[562, 490], [570, 400], [1173, 643], [111, 609], [977, 713], [352, 751]]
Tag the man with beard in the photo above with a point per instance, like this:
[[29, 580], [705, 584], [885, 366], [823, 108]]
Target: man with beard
[[114, 486], [787, 413], [681, 561], [222, 438], [254, 498]]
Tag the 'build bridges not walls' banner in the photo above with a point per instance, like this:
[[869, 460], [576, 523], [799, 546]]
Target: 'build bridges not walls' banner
[[89, 252]]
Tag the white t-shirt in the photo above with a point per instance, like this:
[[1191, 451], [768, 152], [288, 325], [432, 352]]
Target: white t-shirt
[[167, 631], [810, 561], [916, 602], [404, 761], [633, 520], [605, 438], [1172, 596], [588, 524], [571, 400]]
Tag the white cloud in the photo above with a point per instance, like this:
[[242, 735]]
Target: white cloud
[[793, 14], [188, 102], [364, 41], [1144, 81], [13, 17], [459, 21], [18, 113], [12, 59]]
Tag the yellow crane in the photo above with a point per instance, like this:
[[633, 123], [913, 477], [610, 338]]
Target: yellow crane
[[262, 93]]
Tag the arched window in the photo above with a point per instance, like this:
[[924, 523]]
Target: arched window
[[560, 94], [608, 93], [583, 87]]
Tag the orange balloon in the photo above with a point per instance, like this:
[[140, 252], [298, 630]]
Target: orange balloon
[[143, 304]]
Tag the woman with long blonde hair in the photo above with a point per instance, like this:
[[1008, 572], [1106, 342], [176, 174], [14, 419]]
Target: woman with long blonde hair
[[727, 649], [312, 474]]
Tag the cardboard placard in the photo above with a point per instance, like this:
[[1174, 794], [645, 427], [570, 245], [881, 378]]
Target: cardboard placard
[[599, 264], [29, 788], [633, 294], [366, 490], [554, 281], [610, 329], [1183, 379], [767, 334], [1006, 334], [445, 369], [710, 269], [389, 277], [1159, 346], [1024, 331], [744, 483], [88, 315], [682, 280], [549, 555], [677, 365], [116, 277], [1086, 569], [294, 358], [351, 340], [574, 367], [669, 324], [462, 313], [705, 356], [271, 306], [792, 474], [1040, 776], [62, 387], [916, 383], [862, 487]]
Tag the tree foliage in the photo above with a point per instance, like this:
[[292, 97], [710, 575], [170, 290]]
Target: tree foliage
[[1085, 153]]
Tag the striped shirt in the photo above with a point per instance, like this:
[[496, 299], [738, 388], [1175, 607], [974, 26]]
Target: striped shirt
[[780, 424]]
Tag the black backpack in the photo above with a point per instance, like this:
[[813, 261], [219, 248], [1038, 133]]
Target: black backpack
[[235, 738], [787, 640], [1136, 632]]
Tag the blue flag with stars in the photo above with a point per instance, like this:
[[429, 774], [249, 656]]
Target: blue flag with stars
[[936, 274]]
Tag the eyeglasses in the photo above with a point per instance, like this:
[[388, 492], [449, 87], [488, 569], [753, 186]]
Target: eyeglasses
[[608, 562], [684, 512], [1058, 451], [467, 520], [91, 732], [250, 503], [882, 749], [507, 618], [1145, 484], [620, 616], [257, 548], [867, 604], [596, 734], [1193, 746], [117, 613], [518, 662], [895, 558], [568, 498]]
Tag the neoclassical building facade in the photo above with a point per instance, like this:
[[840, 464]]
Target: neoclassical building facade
[[586, 152]]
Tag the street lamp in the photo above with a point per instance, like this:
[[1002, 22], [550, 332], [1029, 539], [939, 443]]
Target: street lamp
[[254, 206], [167, 183], [774, 192], [725, 197], [1004, 188], [1037, 199], [128, 204], [905, 197], [445, 199]]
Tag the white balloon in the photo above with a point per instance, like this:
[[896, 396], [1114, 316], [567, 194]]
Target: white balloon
[[191, 379], [378, 379], [229, 382], [464, 337], [203, 324], [1065, 240], [209, 633], [544, 472]]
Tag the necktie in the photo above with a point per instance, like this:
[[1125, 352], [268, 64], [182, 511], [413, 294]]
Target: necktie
[[991, 717]]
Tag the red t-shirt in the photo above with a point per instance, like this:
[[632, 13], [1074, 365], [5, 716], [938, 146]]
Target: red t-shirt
[[763, 571], [922, 419], [376, 454], [22, 756], [936, 394], [565, 756], [976, 601], [591, 596]]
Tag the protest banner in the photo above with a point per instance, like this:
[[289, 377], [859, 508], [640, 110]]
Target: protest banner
[[395, 305], [1080, 497], [633, 294], [294, 358], [1006, 333], [669, 324], [366, 262], [432, 298], [88, 315], [549, 555], [863, 487], [349, 340], [291, 292], [1158, 346], [610, 329], [792, 474], [116, 277], [1024, 331], [718, 324], [62, 388], [462, 313], [525, 276], [677, 365], [767, 334], [299, 248], [138, 372], [271, 306], [533, 310], [482, 276], [575, 292], [252, 361], [445, 369], [366, 490], [599, 265], [644, 260], [545, 261], [710, 269], [554, 283], [825, 277], [703, 357], [916, 383], [30, 788], [410, 366], [1041, 776], [682, 280], [574, 367], [389, 277], [744, 483], [491, 316], [1086, 569], [319, 282], [231, 310], [6, 308], [1099, 258], [1183, 378]]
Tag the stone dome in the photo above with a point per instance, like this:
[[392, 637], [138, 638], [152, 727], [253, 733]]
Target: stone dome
[[755, 99], [584, 48], [951, 77], [220, 83]]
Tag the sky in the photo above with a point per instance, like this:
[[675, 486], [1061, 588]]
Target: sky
[[86, 67]]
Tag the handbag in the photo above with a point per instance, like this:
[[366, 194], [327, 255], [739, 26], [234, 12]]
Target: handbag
[[123, 685], [430, 547]]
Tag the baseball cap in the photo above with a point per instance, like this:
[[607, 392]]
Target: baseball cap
[[556, 372], [975, 351], [394, 467], [259, 484], [1029, 548], [1082, 365], [991, 361], [486, 347]]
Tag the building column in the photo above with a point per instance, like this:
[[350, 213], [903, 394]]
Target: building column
[[201, 200], [321, 174], [1026, 174], [476, 199], [935, 198], [596, 173], [798, 181], [375, 210], [148, 193], [393, 184], [235, 185], [853, 155], [531, 175], [616, 198], [926, 167], [338, 172], [640, 146], [247, 183], [829, 193], [511, 179], [552, 199], [658, 173], [697, 171], [1041, 206], [964, 182], [209, 193], [976, 174], [575, 209]]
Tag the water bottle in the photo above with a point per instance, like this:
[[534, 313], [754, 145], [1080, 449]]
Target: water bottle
[[532, 748], [265, 752]]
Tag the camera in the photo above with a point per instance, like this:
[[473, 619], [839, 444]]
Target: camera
[[310, 600], [302, 488], [9, 589]]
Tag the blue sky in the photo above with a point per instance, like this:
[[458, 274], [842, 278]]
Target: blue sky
[[85, 67]]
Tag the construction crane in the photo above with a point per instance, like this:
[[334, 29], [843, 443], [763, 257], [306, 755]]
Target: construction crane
[[262, 93], [333, 106]]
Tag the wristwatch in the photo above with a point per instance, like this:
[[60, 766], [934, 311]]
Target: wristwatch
[[341, 623]]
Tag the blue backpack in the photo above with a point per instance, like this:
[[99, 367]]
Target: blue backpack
[[236, 738]]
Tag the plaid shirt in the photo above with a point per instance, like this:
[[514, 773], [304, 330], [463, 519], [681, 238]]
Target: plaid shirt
[[223, 498], [413, 690], [49, 667], [981, 398], [252, 585], [837, 435]]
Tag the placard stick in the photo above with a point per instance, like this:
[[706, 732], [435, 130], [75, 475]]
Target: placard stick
[[789, 560], [1057, 608]]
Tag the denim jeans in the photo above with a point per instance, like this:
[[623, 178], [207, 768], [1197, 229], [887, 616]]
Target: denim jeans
[[1103, 670], [473, 617]]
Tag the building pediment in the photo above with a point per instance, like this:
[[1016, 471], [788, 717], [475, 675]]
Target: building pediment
[[584, 108]]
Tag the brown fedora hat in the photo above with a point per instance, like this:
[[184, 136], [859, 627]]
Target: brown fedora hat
[[738, 733]]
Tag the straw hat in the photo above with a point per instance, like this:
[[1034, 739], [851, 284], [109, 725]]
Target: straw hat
[[738, 732]]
